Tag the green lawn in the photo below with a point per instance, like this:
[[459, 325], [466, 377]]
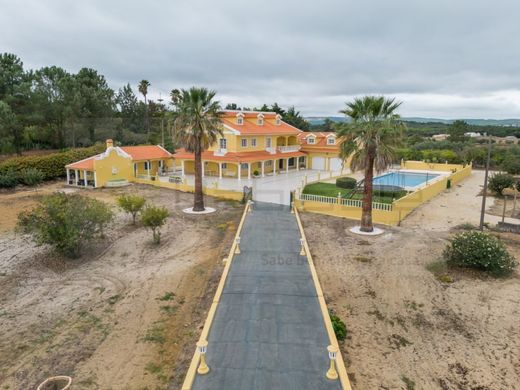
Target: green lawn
[[330, 189]]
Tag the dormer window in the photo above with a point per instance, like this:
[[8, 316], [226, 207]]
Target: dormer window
[[331, 140], [260, 119], [240, 118], [278, 120], [311, 140]]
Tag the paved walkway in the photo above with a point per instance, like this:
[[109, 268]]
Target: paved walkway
[[268, 332]]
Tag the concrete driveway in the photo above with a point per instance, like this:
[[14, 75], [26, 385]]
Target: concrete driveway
[[271, 188]]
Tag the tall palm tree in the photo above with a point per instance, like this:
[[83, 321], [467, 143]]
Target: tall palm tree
[[143, 88], [370, 140], [197, 119]]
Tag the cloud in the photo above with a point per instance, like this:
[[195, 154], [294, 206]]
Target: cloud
[[443, 58]]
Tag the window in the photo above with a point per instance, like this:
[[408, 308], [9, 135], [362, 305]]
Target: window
[[146, 165], [240, 120], [223, 143], [268, 163], [268, 142], [260, 119], [278, 120], [253, 142], [311, 140], [224, 165], [243, 166], [244, 142], [331, 141]]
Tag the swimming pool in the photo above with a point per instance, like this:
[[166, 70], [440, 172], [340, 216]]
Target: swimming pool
[[404, 179]]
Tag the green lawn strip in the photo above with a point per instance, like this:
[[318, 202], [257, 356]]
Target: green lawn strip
[[330, 189]]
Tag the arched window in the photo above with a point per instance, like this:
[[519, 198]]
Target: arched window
[[278, 120]]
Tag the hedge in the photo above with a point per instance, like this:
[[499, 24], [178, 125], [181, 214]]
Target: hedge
[[348, 183], [51, 165]]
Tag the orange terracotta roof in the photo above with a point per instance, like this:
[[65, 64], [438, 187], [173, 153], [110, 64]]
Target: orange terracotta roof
[[320, 143], [237, 157], [248, 114], [251, 128], [146, 152], [87, 164]]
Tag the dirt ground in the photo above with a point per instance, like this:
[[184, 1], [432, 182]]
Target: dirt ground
[[412, 323], [124, 316]]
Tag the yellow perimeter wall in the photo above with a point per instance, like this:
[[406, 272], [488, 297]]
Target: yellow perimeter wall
[[401, 207]]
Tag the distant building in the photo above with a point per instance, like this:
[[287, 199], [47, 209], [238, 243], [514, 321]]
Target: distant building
[[440, 137], [510, 139], [472, 134]]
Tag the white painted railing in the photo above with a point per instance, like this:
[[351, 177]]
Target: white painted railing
[[271, 150], [289, 148], [345, 202], [220, 152]]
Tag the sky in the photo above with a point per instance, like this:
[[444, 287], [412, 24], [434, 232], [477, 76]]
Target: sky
[[441, 58]]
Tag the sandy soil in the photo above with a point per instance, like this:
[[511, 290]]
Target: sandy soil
[[124, 316], [406, 326]]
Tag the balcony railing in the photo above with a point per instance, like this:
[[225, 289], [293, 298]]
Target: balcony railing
[[271, 150], [220, 152], [289, 148]]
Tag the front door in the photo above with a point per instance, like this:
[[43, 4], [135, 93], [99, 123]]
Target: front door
[[280, 164]]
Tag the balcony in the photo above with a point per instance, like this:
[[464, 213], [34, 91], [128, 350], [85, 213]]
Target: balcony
[[289, 148], [271, 150], [220, 152]]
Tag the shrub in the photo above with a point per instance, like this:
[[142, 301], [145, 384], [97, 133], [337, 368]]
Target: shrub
[[499, 182], [51, 165], [389, 193], [66, 222], [346, 182], [153, 218], [512, 164], [8, 179], [31, 176], [340, 329], [479, 250], [132, 204]]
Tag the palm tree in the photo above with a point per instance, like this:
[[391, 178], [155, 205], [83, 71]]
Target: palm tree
[[197, 119], [143, 88], [370, 140]]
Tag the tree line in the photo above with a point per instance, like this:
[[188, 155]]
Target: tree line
[[51, 108]]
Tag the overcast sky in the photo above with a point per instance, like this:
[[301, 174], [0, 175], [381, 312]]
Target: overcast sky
[[442, 58]]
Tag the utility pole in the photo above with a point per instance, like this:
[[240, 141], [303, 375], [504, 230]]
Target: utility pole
[[162, 120], [483, 209]]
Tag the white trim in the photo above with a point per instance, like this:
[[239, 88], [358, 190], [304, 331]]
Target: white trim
[[169, 154], [75, 162], [120, 152], [231, 129]]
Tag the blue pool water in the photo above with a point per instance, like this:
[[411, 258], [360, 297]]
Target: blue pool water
[[404, 179]]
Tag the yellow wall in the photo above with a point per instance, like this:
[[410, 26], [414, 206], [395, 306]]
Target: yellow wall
[[424, 166], [113, 167], [400, 208]]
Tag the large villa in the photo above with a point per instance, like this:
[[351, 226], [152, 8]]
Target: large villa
[[255, 147]]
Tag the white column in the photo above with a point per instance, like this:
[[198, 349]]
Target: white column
[[68, 176], [95, 180], [149, 163], [182, 167], [220, 170], [297, 159], [85, 178], [274, 167], [239, 171], [287, 166], [202, 166], [263, 174], [249, 171], [76, 176]]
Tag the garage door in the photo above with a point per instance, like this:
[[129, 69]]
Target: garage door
[[318, 163], [335, 164]]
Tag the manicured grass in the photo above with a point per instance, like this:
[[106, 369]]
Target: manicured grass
[[330, 189]]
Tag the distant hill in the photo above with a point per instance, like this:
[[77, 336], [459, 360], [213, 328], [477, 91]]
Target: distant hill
[[318, 120]]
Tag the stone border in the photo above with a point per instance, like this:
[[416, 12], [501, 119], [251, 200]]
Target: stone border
[[192, 370], [375, 232], [207, 210], [340, 364]]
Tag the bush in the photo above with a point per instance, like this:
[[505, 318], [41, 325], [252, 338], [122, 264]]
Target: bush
[[395, 194], [132, 204], [51, 165], [66, 222], [499, 182], [31, 176], [479, 250], [340, 329], [346, 182], [8, 179], [153, 218], [512, 165]]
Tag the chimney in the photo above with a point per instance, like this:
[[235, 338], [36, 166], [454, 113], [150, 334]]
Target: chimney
[[110, 143]]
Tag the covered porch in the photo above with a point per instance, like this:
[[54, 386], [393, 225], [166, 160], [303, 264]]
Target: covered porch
[[81, 178]]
